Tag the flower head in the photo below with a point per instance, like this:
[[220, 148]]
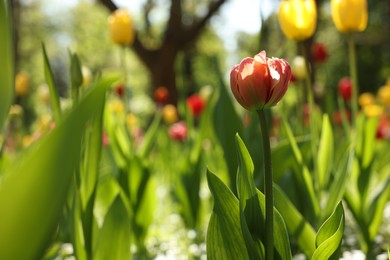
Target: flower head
[[298, 18], [170, 114], [22, 84], [319, 52], [349, 15], [196, 104], [260, 82], [161, 95], [345, 88], [121, 27], [178, 131]]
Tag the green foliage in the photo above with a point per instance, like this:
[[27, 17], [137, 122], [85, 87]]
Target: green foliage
[[49, 166], [7, 75]]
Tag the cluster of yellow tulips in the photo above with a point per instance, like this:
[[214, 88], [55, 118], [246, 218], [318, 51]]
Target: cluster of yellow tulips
[[298, 18]]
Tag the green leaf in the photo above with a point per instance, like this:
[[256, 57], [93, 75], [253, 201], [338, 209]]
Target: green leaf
[[330, 235], [296, 225], [376, 206], [339, 184], [33, 191], [149, 137], [114, 237], [303, 176], [54, 97], [226, 124], [224, 236], [76, 75], [325, 153], [251, 217], [7, 76]]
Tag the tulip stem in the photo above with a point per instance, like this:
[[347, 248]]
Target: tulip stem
[[353, 74], [268, 188]]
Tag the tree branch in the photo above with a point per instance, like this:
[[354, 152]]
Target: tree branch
[[193, 32], [109, 4]]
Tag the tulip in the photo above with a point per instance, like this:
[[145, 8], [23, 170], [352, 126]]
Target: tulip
[[373, 110], [170, 115], [298, 67], [121, 27], [22, 84], [366, 99], [120, 90], [178, 131], [298, 18], [196, 104], [319, 52], [260, 82], [161, 95], [345, 88], [349, 15], [384, 95]]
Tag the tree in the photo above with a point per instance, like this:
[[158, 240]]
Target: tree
[[177, 36]]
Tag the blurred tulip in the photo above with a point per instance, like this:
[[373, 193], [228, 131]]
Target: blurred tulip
[[383, 130], [298, 68], [131, 121], [121, 27], [161, 95], [196, 104], [366, 99], [16, 111], [373, 110], [260, 82], [345, 88], [178, 131], [349, 15], [337, 117], [22, 82], [43, 94], [87, 76], [384, 95], [298, 18], [170, 115], [319, 52], [120, 90], [116, 106]]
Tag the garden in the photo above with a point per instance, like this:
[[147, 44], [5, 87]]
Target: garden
[[151, 130]]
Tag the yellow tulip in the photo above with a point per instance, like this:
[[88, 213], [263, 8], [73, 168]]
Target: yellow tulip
[[373, 110], [22, 84], [384, 95], [349, 15], [121, 27], [170, 115], [298, 18], [366, 99]]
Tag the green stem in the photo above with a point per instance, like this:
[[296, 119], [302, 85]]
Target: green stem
[[268, 188], [353, 74]]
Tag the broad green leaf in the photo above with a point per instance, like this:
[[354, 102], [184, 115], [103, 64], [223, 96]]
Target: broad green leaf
[[76, 75], [224, 236], [114, 236], [339, 184], [325, 153], [369, 140], [78, 240], [296, 225], [330, 235], [303, 176], [251, 218], [226, 124], [281, 239], [54, 97], [33, 191], [7, 75], [376, 206], [149, 137]]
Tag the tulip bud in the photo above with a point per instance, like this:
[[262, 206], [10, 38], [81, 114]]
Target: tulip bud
[[260, 82], [345, 88], [196, 104], [161, 95], [121, 27], [319, 52], [22, 82], [349, 15], [298, 18], [169, 113], [178, 131], [298, 67]]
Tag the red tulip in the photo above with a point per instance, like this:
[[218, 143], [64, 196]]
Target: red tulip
[[161, 95], [260, 82], [178, 131], [120, 90], [319, 52], [383, 130], [345, 88], [196, 104]]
